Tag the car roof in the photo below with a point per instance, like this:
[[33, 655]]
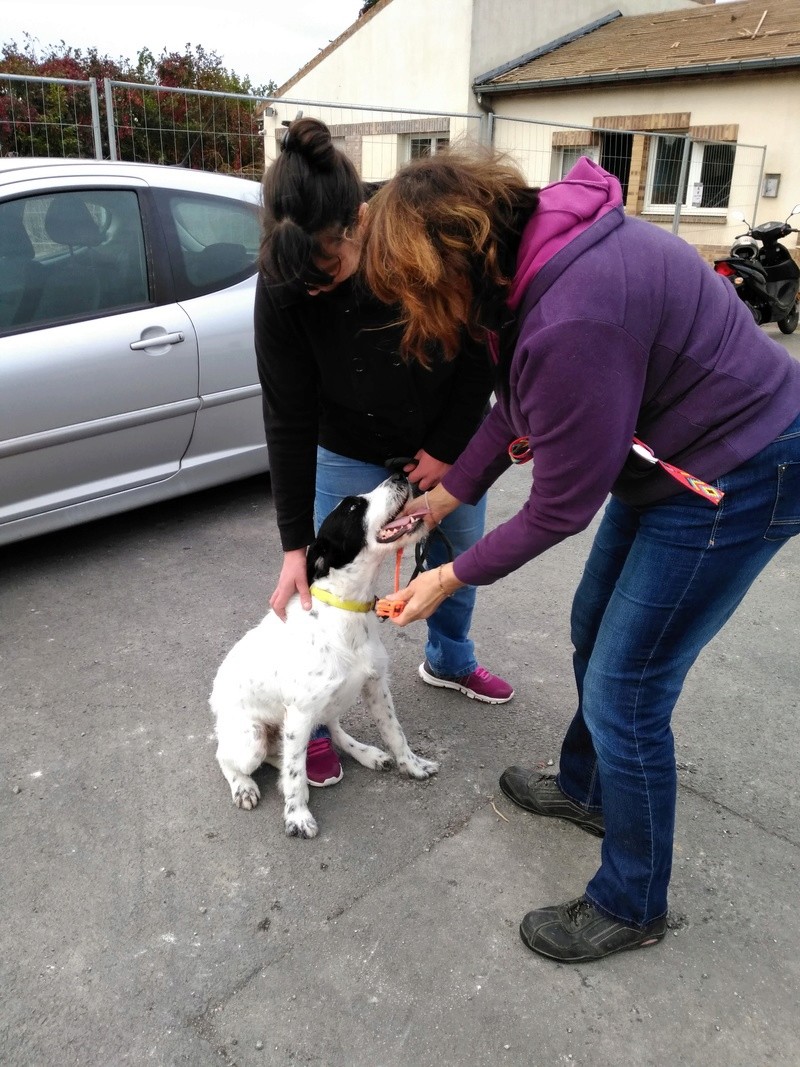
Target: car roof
[[16, 169]]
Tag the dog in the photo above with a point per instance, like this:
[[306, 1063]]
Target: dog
[[282, 679]]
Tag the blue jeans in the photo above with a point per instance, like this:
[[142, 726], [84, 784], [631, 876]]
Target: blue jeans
[[449, 649], [658, 584]]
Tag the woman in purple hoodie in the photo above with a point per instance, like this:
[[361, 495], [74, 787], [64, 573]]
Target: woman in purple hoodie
[[623, 362]]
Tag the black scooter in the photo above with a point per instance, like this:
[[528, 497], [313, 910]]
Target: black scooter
[[764, 273]]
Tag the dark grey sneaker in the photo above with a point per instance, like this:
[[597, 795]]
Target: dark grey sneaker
[[576, 932], [540, 794]]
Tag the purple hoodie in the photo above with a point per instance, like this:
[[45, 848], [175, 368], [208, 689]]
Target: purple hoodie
[[623, 330]]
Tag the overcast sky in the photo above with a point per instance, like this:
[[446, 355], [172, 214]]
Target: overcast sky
[[265, 40]]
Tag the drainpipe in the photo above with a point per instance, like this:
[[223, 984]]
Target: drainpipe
[[487, 119]]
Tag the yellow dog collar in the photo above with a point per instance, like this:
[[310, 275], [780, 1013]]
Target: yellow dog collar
[[337, 602]]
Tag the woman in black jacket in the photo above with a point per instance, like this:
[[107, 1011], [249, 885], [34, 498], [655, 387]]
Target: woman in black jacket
[[339, 401]]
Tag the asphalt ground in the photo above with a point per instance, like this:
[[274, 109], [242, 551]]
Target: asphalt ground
[[146, 920]]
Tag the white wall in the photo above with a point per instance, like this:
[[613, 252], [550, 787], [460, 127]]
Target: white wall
[[410, 54]]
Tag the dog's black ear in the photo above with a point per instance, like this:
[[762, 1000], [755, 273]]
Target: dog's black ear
[[318, 559], [341, 537]]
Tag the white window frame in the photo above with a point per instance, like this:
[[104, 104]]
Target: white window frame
[[558, 168], [696, 157], [436, 141]]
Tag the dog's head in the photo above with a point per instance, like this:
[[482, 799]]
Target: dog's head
[[356, 529]]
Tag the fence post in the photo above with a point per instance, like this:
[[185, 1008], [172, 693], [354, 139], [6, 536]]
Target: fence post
[[488, 117], [687, 148], [269, 124], [112, 132], [95, 106], [758, 187]]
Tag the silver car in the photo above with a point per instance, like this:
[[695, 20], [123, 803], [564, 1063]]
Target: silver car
[[127, 369]]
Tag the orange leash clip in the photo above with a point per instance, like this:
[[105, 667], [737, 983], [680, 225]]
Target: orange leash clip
[[386, 609]]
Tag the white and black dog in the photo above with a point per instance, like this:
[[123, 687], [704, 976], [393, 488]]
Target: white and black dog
[[283, 679]]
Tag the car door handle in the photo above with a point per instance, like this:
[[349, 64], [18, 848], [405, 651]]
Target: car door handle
[[157, 340]]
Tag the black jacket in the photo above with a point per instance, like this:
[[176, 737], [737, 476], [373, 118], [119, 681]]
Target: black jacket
[[331, 373]]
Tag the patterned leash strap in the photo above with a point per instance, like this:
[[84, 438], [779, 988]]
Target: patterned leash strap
[[519, 451], [690, 481]]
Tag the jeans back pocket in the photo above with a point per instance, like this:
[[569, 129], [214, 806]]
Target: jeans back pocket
[[785, 519]]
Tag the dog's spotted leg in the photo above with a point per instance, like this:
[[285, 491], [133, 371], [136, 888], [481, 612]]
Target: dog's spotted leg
[[244, 790], [297, 818], [379, 702], [367, 755], [240, 751]]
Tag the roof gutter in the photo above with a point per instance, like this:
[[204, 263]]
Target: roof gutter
[[738, 66]]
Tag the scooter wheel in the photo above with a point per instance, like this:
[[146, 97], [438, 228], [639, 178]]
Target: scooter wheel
[[789, 324]]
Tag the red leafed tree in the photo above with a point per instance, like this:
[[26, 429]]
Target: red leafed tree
[[192, 129]]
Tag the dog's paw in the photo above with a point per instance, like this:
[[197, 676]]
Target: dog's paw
[[417, 767], [301, 824], [378, 760], [374, 759], [246, 796]]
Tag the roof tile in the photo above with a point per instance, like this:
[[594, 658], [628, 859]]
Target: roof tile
[[745, 31]]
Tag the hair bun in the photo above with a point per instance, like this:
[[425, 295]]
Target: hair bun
[[310, 139]]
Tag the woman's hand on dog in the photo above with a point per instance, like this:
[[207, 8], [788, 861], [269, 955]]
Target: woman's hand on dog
[[291, 580], [424, 595]]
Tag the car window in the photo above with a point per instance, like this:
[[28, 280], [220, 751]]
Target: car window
[[68, 255], [217, 240]]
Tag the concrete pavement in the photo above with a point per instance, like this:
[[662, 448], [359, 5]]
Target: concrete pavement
[[147, 921]]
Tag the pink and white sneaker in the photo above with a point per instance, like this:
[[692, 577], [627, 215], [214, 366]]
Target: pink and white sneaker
[[323, 766], [480, 685]]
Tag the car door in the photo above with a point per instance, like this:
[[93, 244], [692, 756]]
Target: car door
[[98, 371], [213, 242]]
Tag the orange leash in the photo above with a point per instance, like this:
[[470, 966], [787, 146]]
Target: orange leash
[[386, 609]]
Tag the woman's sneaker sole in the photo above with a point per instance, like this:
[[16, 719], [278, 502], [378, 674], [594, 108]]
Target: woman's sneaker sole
[[461, 685]]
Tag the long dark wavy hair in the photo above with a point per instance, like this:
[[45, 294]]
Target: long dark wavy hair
[[311, 193], [441, 238]]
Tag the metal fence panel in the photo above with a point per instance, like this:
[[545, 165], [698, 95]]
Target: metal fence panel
[[377, 139], [185, 127], [670, 178], [49, 117]]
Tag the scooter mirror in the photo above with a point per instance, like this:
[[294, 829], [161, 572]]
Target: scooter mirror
[[737, 216], [795, 210]]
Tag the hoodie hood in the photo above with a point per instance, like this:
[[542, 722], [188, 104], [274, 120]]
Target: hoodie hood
[[565, 210]]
